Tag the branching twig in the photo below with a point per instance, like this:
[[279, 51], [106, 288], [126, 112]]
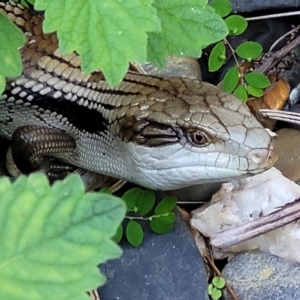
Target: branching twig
[[276, 57], [282, 37]]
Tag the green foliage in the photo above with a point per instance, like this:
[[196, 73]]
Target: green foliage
[[249, 50], [187, 26], [103, 42], [217, 57], [235, 81], [231, 79], [139, 205], [221, 7], [52, 238], [166, 205], [2, 84], [236, 24], [215, 288], [140, 30], [241, 93], [257, 80], [134, 233], [256, 92], [11, 38]]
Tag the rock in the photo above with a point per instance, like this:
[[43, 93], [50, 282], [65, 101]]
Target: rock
[[164, 267], [246, 200], [255, 275], [287, 146], [240, 6]]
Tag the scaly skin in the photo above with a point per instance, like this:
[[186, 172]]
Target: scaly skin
[[162, 133]]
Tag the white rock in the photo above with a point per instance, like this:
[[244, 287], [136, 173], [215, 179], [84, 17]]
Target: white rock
[[247, 199]]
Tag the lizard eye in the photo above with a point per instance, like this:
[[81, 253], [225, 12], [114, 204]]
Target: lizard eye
[[198, 138]]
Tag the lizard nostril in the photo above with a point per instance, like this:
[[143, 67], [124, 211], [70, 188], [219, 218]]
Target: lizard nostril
[[258, 155], [265, 157]]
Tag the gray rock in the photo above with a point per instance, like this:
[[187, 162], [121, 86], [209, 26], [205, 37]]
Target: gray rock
[[287, 146], [164, 267], [256, 275], [241, 6]]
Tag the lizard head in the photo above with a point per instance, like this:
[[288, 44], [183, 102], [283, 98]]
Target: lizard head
[[198, 135]]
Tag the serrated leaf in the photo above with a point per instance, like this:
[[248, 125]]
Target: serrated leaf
[[258, 80], [236, 24], [218, 282], [58, 235], [161, 225], [187, 26], [103, 42], [131, 198], [230, 79], [134, 233], [222, 7], [2, 84], [165, 205], [11, 39], [256, 92], [146, 202], [217, 57], [249, 50], [241, 93], [119, 234]]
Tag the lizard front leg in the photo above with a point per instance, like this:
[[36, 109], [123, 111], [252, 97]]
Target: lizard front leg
[[35, 148]]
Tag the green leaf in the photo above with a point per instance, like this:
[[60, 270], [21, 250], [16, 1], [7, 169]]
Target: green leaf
[[221, 7], [131, 198], [23, 3], [58, 235], [258, 80], [2, 84], [170, 217], [249, 50], [209, 289], [217, 57], [218, 282], [162, 225], [11, 39], [119, 234], [146, 202], [104, 42], [106, 191], [134, 233], [187, 26], [165, 205], [241, 92], [230, 79], [256, 92], [215, 293], [236, 24]]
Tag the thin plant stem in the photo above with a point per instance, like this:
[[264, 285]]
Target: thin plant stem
[[282, 37], [271, 16]]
